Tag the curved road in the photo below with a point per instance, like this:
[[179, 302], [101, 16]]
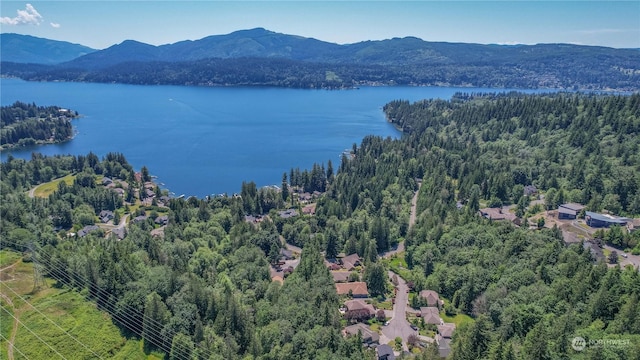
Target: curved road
[[398, 325]]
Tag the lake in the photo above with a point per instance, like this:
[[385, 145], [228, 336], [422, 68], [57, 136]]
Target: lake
[[201, 141]]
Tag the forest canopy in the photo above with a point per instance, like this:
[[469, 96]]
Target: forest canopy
[[203, 289]]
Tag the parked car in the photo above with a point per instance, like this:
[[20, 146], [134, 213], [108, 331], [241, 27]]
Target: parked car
[[386, 323], [414, 327], [624, 255]]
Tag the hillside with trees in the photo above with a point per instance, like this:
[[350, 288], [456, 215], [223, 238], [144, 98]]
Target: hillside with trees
[[24, 124], [201, 288], [258, 57]]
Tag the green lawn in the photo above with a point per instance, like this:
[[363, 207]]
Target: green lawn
[[46, 189], [459, 319]]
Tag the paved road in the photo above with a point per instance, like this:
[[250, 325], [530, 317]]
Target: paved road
[[398, 325]]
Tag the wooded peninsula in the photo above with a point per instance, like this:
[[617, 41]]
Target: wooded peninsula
[[287, 272]]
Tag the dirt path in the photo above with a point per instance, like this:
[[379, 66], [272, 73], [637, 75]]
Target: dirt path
[[32, 192], [414, 207], [14, 329], [412, 221]]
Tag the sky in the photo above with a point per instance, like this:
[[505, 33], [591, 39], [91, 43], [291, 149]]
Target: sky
[[100, 24]]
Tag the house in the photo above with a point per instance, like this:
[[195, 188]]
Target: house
[[385, 352], [340, 276], [286, 254], [431, 315], [285, 214], [431, 297], [368, 336], [87, 229], [603, 220], [331, 265], [120, 233], [106, 181], [309, 209], [119, 191], [356, 289], [139, 219], [303, 197], [569, 211], [633, 225], [446, 330], [350, 262], [444, 346], [497, 214], [359, 310], [162, 220], [149, 193], [530, 190], [105, 215]]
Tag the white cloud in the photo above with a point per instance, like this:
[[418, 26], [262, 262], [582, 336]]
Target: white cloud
[[28, 16], [54, 25]]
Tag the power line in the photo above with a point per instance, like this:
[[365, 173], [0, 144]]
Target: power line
[[14, 347], [58, 326], [31, 331], [126, 319]]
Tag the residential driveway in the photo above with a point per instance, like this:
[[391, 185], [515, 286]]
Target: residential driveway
[[633, 260], [398, 325]]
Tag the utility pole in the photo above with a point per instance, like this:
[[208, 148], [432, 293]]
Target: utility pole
[[38, 279]]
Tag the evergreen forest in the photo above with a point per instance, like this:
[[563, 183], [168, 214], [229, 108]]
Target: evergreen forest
[[24, 124], [201, 288]]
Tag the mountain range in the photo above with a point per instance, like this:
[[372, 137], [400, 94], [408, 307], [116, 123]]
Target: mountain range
[[29, 49], [407, 60]]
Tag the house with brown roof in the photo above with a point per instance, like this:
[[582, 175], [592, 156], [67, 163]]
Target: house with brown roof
[[368, 336], [446, 330], [350, 262], [359, 310], [331, 265], [431, 297], [309, 209], [355, 289], [431, 315], [497, 214], [340, 276]]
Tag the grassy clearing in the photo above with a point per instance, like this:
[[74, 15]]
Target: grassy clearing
[[8, 257], [331, 76], [398, 265], [459, 319], [62, 316], [6, 324], [46, 189]]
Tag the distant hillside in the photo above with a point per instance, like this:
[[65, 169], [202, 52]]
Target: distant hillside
[[28, 49], [285, 58]]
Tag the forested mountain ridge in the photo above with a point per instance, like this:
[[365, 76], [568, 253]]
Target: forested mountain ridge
[[30, 49], [203, 289], [275, 59]]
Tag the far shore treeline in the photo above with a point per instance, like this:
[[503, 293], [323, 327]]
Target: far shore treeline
[[191, 277]]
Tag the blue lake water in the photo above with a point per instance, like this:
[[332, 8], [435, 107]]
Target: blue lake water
[[200, 141]]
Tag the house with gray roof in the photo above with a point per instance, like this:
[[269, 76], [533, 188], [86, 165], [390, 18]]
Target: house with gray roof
[[597, 220]]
